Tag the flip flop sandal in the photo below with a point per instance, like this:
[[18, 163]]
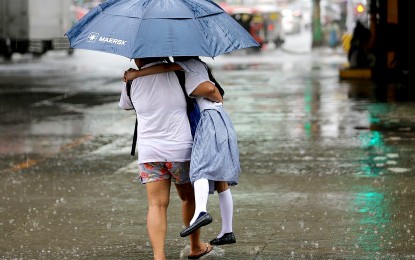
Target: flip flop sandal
[[202, 254]]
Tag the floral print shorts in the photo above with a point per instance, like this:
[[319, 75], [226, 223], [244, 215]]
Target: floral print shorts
[[157, 171]]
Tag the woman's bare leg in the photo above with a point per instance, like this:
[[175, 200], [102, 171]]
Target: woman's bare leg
[[158, 195]]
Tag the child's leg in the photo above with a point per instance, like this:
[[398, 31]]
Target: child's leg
[[201, 188], [226, 207]]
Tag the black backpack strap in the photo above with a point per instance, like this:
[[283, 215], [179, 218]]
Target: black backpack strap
[[134, 138], [128, 85], [182, 80]]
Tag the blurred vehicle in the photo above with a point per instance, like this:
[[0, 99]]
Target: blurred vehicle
[[34, 26], [291, 21], [263, 22], [250, 19], [273, 24]]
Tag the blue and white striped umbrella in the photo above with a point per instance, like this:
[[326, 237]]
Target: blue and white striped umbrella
[[159, 28]]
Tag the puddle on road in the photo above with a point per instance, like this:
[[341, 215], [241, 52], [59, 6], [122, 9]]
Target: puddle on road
[[43, 122]]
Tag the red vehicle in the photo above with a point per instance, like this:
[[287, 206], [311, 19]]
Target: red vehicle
[[250, 19]]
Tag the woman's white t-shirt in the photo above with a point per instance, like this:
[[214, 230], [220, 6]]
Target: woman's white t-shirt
[[163, 131]]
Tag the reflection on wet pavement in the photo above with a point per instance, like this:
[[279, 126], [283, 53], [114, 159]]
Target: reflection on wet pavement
[[327, 165]]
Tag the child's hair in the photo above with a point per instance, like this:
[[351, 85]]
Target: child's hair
[[211, 77], [154, 59]]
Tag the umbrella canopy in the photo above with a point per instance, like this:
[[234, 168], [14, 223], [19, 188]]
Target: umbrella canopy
[[159, 28]]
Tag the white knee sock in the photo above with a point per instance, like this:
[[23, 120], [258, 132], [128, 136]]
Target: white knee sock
[[226, 211], [201, 188]]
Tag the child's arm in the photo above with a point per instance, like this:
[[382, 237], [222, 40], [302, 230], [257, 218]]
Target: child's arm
[[208, 90], [159, 68]]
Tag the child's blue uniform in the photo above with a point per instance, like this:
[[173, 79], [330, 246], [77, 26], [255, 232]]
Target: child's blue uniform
[[215, 153]]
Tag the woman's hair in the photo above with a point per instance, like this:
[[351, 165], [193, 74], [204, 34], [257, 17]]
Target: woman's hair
[[211, 77]]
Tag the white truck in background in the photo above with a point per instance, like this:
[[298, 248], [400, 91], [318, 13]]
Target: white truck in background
[[34, 26]]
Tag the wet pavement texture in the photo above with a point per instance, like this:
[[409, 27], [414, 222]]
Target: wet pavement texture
[[327, 166]]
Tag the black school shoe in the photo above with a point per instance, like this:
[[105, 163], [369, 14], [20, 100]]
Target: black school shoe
[[227, 238], [203, 220]]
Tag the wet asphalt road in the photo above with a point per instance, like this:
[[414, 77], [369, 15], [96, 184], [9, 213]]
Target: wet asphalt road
[[328, 166]]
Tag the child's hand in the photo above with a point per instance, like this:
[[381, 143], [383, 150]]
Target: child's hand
[[129, 75]]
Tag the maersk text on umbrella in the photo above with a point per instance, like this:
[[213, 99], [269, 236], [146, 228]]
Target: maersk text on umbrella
[[112, 40], [93, 36]]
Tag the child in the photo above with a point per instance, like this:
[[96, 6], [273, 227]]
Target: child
[[215, 156]]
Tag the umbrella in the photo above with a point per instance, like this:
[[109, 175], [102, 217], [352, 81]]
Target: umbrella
[[159, 28]]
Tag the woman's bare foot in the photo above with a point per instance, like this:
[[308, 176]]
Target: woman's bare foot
[[201, 250]]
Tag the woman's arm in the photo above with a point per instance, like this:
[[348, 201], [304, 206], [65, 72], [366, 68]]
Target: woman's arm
[[205, 89], [159, 68]]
